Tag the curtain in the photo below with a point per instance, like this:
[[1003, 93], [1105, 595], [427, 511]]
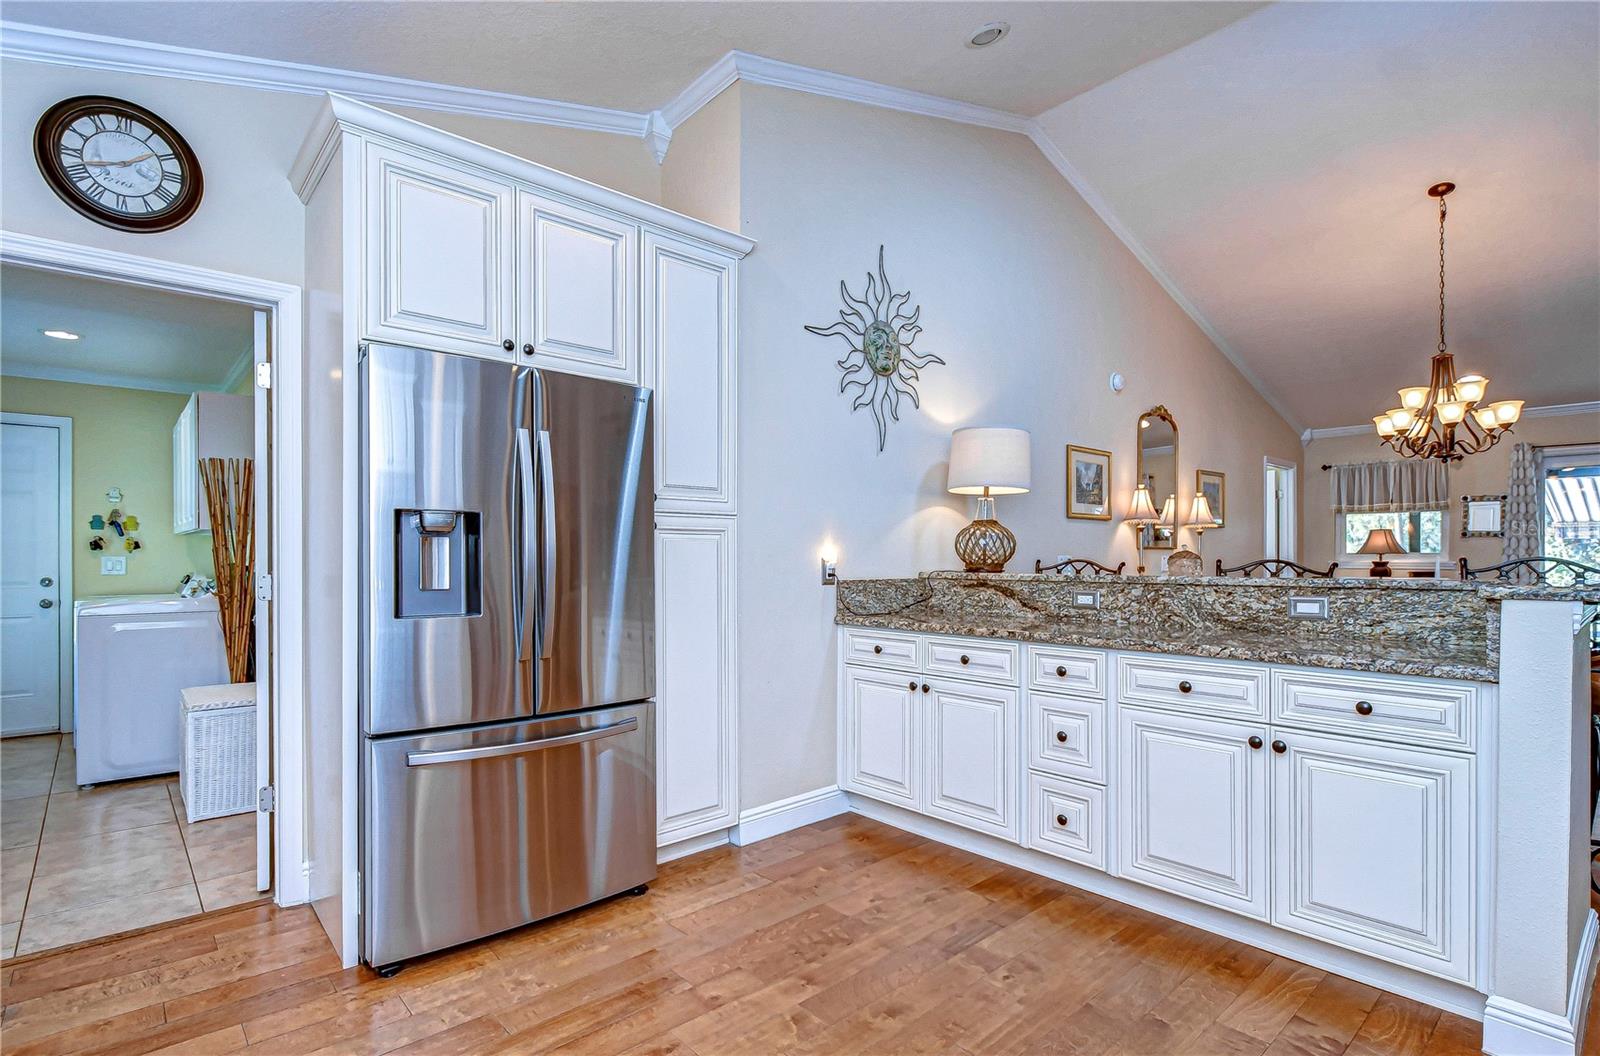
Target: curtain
[[1389, 486], [1522, 504]]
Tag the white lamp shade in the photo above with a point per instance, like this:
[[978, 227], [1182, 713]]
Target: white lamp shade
[[1141, 510], [1200, 515], [993, 458]]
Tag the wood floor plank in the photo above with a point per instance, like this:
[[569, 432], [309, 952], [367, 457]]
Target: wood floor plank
[[1271, 1000], [1396, 1026]]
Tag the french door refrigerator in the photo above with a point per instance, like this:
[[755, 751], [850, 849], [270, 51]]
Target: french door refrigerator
[[508, 647]]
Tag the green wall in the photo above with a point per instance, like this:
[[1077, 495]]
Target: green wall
[[120, 437]]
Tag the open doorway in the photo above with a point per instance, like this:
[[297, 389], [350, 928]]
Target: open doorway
[[1278, 518], [136, 733]]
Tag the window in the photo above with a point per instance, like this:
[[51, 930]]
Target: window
[[1572, 505], [1421, 532]]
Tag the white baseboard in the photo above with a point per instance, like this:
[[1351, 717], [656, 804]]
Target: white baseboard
[[772, 819], [1511, 1028], [693, 845]]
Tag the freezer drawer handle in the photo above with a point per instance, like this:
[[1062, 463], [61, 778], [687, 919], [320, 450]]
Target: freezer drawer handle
[[468, 755]]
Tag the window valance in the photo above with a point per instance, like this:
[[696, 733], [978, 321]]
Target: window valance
[[1389, 486]]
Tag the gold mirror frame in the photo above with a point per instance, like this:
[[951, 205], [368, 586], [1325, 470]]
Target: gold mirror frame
[[1155, 538]]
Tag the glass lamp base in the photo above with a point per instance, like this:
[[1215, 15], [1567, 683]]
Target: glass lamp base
[[985, 545]]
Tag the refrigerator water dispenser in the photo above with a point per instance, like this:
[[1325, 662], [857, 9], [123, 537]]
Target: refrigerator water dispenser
[[439, 571]]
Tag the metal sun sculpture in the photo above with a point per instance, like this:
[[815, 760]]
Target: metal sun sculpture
[[881, 361]]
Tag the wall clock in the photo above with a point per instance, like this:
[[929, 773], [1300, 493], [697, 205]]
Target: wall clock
[[118, 164]]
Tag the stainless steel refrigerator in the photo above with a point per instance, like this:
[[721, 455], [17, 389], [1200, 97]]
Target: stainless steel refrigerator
[[508, 647]]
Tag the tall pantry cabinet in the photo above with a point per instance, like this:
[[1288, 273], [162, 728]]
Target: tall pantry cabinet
[[416, 236]]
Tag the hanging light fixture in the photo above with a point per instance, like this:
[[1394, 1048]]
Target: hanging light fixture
[[1446, 418]]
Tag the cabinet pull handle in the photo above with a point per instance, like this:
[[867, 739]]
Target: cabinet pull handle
[[925, 687], [1061, 671], [508, 344], [965, 659], [1279, 747], [1061, 819], [911, 685], [527, 350], [877, 648], [1255, 742], [1061, 735], [1185, 687], [1363, 708]]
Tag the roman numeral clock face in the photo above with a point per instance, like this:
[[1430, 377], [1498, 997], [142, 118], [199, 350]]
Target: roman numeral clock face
[[117, 163]]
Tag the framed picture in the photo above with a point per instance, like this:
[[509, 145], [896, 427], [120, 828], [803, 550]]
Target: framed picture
[[1213, 484], [1088, 483]]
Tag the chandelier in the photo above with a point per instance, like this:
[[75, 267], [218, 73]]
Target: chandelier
[[1446, 418]]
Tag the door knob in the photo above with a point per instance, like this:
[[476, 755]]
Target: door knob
[[911, 685], [925, 687], [527, 350], [1363, 708], [1061, 735], [1279, 747], [47, 582], [1185, 687], [46, 603], [1255, 742], [508, 344]]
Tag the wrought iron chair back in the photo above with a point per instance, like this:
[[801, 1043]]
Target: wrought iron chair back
[[1534, 569], [1079, 566], [1277, 568]]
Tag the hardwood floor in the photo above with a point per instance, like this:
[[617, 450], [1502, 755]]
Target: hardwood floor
[[843, 937]]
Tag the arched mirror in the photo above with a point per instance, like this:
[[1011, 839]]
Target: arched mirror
[[1158, 471]]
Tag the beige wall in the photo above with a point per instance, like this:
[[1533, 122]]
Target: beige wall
[[121, 438], [250, 221], [1032, 302], [1482, 474], [700, 176]]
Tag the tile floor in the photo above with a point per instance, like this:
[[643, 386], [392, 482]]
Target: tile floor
[[82, 865]]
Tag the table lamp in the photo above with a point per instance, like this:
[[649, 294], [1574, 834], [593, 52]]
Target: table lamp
[[987, 462], [1381, 541], [1141, 514], [1200, 517]]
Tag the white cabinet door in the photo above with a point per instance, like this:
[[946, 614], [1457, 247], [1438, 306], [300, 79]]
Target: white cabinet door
[[973, 757], [577, 288], [689, 294], [696, 724], [440, 240], [879, 744], [1192, 808], [1372, 850]]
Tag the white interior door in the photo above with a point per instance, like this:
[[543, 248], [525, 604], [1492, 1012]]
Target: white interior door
[[35, 473], [1278, 522], [263, 565]]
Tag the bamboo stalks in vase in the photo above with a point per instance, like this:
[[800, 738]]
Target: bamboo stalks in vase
[[230, 500]]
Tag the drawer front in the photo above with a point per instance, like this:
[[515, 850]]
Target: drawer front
[[1057, 670], [1067, 736], [965, 658], [1206, 686], [1409, 711], [882, 649], [1067, 819]]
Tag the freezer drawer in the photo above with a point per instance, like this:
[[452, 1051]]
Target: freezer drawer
[[471, 832]]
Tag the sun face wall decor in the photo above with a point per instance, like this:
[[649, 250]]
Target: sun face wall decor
[[880, 362]]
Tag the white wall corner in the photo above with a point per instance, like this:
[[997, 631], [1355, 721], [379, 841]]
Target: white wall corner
[[658, 135], [780, 816]]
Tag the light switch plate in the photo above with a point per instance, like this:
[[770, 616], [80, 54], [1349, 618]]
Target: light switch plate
[[113, 566], [1308, 608]]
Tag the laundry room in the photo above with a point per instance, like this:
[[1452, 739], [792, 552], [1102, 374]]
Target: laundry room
[[128, 707]]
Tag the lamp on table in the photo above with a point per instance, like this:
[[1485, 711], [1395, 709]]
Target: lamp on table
[[988, 462], [1381, 541]]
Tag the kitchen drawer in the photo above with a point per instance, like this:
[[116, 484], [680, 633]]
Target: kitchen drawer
[[1410, 711], [1208, 687], [1067, 819], [1055, 669], [882, 648], [1067, 736], [966, 658]]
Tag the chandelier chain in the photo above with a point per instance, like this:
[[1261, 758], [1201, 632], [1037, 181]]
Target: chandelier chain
[[1441, 272]]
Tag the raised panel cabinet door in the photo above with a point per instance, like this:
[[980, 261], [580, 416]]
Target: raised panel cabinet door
[[688, 335], [1192, 808], [440, 241], [880, 736], [972, 757], [577, 288], [1373, 850], [696, 761]]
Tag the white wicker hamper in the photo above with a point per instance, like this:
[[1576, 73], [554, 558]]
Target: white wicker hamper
[[217, 769]]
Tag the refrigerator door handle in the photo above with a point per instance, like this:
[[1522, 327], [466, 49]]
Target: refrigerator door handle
[[492, 751], [525, 544], [547, 565]]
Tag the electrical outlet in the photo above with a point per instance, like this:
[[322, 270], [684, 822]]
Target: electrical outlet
[[113, 566]]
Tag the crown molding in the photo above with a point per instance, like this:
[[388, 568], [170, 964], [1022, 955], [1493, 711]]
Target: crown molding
[[1551, 410], [700, 91], [107, 379], [59, 47]]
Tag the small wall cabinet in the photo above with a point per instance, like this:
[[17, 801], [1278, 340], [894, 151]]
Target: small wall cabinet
[[212, 425]]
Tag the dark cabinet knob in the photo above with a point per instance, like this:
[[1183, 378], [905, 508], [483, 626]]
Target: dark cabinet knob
[[527, 350], [1061, 819], [1061, 735], [1363, 708], [1279, 747], [1061, 672], [965, 659], [1185, 687], [509, 345], [1255, 742], [911, 685], [926, 688], [877, 648]]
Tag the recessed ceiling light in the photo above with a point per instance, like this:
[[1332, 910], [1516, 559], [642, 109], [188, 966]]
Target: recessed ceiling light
[[988, 33], [60, 335]]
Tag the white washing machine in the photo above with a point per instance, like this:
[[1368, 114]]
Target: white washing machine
[[132, 654]]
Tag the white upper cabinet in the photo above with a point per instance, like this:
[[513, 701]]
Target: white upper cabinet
[[577, 289], [689, 296], [440, 240], [973, 760]]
